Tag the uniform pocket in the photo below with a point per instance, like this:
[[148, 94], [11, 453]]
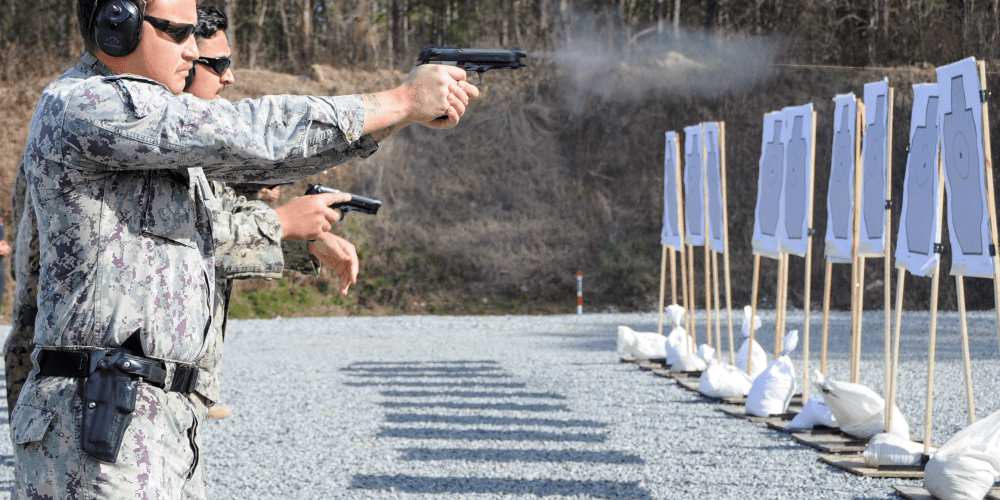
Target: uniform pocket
[[29, 424]]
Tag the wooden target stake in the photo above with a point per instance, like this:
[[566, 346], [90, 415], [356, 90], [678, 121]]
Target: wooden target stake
[[753, 311], [781, 304], [886, 280], [708, 290], [807, 293], [673, 274], [930, 359], [960, 284], [718, 312], [890, 400], [826, 316], [663, 287], [857, 263], [990, 196], [725, 237], [691, 332]]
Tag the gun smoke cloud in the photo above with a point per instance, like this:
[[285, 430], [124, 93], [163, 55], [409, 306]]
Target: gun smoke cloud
[[626, 63]]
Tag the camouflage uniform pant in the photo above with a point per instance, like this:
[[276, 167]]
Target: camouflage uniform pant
[[158, 459]]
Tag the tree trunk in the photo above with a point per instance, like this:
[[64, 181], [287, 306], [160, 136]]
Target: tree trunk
[[391, 25], [231, 16], [307, 28], [677, 14], [287, 32]]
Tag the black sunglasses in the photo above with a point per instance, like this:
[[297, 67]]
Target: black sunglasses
[[217, 64], [178, 32]]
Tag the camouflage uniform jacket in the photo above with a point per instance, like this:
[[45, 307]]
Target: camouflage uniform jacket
[[116, 166]]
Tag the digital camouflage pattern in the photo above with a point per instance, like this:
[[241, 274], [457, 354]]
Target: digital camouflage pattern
[[126, 239], [158, 458], [118, 169], [24, 268]]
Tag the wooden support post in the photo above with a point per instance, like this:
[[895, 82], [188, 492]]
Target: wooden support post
[[960, 285], [781, 304], [718, 311], [890, 400], [858, 264], [826, 316], [708, 290], [807, 292], [672, 255], [990, 196], [887, 274], [753, 311], [725, 237], [692, 332], [663, 287], [932, 341]]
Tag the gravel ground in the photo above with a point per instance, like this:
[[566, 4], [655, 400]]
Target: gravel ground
[[527, 406]]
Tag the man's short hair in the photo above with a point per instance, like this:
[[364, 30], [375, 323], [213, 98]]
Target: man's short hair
[[84, 15], [211, 20]]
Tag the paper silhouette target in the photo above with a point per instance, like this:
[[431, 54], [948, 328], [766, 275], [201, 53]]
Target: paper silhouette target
[[694, 190], [766, 237], [796, 193], [920, 221], [713, 186], [840, 197], [962, 150], [671, 235], [873, 167]]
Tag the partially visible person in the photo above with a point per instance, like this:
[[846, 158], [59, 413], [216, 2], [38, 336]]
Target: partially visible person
[[118, 169], [210, 74]]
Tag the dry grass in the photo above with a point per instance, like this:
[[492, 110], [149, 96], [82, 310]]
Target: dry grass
[[498, 214]]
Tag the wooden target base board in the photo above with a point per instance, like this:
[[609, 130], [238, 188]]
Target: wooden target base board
[[837, 442], [918, 493], [741, 412], [691, 383], [856, 465]]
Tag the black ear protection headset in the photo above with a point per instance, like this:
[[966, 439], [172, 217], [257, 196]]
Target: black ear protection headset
[[117, 26]]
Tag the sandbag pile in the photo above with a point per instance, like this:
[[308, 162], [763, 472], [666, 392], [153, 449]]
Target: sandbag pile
[[724, 381], [677, 341], [890, 449], [814, 412], [696, 362], [773, 389], [640, 345], [966, 467], [860, 411], [759, 355]]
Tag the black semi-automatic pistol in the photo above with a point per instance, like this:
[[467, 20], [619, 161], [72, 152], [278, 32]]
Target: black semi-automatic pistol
[[361, 204], [478, 60]]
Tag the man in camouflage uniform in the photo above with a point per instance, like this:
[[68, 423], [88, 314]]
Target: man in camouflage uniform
[[115, 167]]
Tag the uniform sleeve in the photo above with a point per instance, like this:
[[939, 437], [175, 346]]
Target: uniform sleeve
[[124, 122], [247, 236], [17, 208], [298, 258]]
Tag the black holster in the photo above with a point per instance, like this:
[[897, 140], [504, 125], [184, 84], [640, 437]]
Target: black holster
[[108, 402]]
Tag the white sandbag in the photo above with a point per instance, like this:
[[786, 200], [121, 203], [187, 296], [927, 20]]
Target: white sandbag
[[677, 344], [860, 411], [814, 412], [706, 353], [641, 345], [966, 467], [890, 449], [773, 389], [759, 354], [689, 363], [724, 381]]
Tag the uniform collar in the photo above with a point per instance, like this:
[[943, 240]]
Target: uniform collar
[[88, 63]]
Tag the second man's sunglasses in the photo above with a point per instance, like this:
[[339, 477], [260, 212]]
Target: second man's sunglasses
[[217, 64]]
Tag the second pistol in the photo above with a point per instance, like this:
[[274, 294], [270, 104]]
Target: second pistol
[[357, 203]]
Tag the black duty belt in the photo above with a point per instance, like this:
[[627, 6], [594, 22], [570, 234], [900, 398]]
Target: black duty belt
[[78, 364]]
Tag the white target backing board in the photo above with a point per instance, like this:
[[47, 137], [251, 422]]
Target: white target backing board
[[960, 116], [920, 220], [671, 235], [796, 192], [694, 188], [713, 186], [874, 162], [767, 216], [840, 197]]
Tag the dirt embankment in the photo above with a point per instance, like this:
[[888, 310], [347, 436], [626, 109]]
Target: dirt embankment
[[540, 180]]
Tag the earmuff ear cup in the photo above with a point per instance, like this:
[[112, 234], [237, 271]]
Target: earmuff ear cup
[[118, 27]]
